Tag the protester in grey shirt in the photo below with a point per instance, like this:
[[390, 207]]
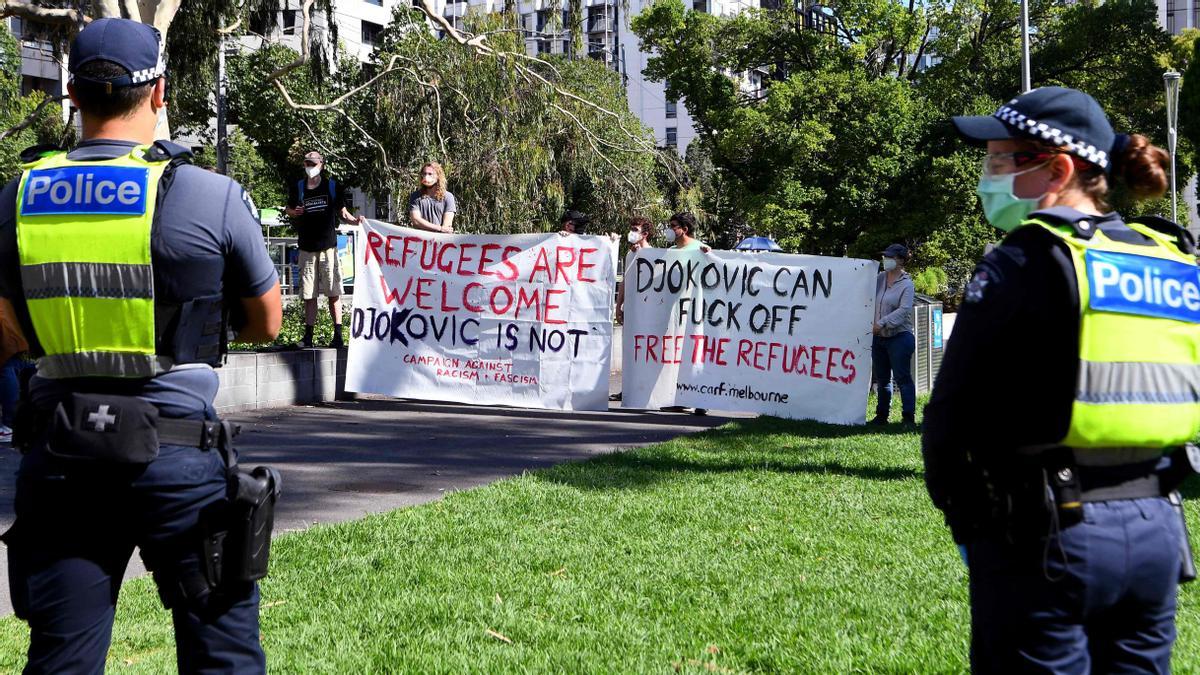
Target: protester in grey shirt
[[893, 346], [432, 207]]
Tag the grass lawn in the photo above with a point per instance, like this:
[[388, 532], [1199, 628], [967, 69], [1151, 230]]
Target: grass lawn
[[760, 546]]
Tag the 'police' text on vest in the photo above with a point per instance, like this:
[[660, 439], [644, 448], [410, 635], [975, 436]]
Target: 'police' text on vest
[[86, 190], [1143, 285]]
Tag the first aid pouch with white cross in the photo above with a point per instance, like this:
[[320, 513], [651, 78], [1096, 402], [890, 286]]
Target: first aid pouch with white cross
[[104, 428]]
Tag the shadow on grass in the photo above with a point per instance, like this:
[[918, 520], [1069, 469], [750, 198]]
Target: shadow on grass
[[748, 447], [1191, 488]]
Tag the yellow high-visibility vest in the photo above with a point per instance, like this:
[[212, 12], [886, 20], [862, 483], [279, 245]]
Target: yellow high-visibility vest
[[83, 241], [1139, 341]]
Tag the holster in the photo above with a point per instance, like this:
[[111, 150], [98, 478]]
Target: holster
[[237, 543]]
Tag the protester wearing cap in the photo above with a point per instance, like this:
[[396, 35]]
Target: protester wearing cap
[[122, 263], [1065, 395], [893, 343], [316, 204], [573, 222]]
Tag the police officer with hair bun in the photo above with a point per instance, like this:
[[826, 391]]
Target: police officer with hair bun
[[1056, 434], [125, 266]]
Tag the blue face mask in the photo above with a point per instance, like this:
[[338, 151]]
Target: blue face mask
[[1001, 207]]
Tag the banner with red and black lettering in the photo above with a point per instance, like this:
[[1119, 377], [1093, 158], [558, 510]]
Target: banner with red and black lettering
[[522, 320], [784, 335]]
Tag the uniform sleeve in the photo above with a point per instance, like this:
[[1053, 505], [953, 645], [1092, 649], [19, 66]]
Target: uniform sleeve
[[962, 408], [248, 269], [451, 204], [10, 277]]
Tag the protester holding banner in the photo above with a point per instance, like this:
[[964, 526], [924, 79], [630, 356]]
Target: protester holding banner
[[432, 207], [638, 238], [893, 345], [573, 222], [681, 233], [1055, 435]]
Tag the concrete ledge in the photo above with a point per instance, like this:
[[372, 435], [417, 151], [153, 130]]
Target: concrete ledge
[[254, 380]]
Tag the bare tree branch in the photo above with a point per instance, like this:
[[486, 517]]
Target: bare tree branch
[[108, 7], [306, 12], [64, 16], [29, 119], [163, 14]]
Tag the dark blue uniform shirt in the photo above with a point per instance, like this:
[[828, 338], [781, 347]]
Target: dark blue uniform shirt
[[209, 242]]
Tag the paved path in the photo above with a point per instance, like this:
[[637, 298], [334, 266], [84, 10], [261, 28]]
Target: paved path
[[343, 460]]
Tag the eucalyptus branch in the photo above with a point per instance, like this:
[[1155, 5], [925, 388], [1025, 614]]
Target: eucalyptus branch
[[306, 12], [325, 150], [59, 16], [29, 119]]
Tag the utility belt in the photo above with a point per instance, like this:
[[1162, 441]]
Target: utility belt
[[103, 430], [1053, 486]]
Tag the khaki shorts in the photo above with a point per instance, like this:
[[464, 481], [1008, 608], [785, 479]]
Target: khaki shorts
[[320, 274]]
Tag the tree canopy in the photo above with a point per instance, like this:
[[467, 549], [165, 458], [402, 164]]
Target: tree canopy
[[850, 147]]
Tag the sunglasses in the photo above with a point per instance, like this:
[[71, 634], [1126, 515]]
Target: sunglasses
[[1000, 163], [310, 163]]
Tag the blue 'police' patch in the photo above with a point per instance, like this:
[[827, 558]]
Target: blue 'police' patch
[[86, 190], [1136, 284]]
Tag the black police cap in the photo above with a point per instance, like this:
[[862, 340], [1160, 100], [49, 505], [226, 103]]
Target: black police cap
[[1062, 117], [134, 46]]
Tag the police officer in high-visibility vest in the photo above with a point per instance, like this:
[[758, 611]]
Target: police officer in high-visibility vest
[[125, 265], [1055, 437]]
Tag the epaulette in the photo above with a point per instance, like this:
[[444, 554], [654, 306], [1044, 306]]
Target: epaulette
[[163, 151], [1083, 224], [1186, 242], [33, 154]]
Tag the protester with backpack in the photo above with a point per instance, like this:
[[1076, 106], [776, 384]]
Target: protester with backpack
[[315, 205]]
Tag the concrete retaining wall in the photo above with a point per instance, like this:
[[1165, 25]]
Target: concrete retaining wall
[[251, 380]]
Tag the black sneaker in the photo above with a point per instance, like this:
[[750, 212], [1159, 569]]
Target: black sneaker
[[910, 420], [615, 397], [701, 412], [878, 420], [336, 342]]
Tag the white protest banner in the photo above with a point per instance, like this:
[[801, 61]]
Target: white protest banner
[[784, 335], [522, 320]]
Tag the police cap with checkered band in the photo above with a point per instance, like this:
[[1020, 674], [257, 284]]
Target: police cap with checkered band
[[1061, 117], [134, 46]]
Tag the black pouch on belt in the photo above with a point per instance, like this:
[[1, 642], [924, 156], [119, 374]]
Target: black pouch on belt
[[104, 428]]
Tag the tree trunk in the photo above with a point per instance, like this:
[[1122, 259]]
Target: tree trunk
[[157, 13]]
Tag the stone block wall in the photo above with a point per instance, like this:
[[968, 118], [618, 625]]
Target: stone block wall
[[252, 380]]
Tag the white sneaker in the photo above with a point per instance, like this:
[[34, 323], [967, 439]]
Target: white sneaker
[[5, 434]]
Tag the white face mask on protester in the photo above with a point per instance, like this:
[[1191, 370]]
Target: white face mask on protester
[[889, 264], [312, 171], [669, 235], [634, 237]]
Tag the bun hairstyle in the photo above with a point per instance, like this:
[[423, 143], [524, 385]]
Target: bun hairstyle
[[1142, 166]]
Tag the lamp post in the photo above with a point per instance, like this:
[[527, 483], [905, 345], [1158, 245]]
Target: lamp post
[[1026, 79], [1171, 82]]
